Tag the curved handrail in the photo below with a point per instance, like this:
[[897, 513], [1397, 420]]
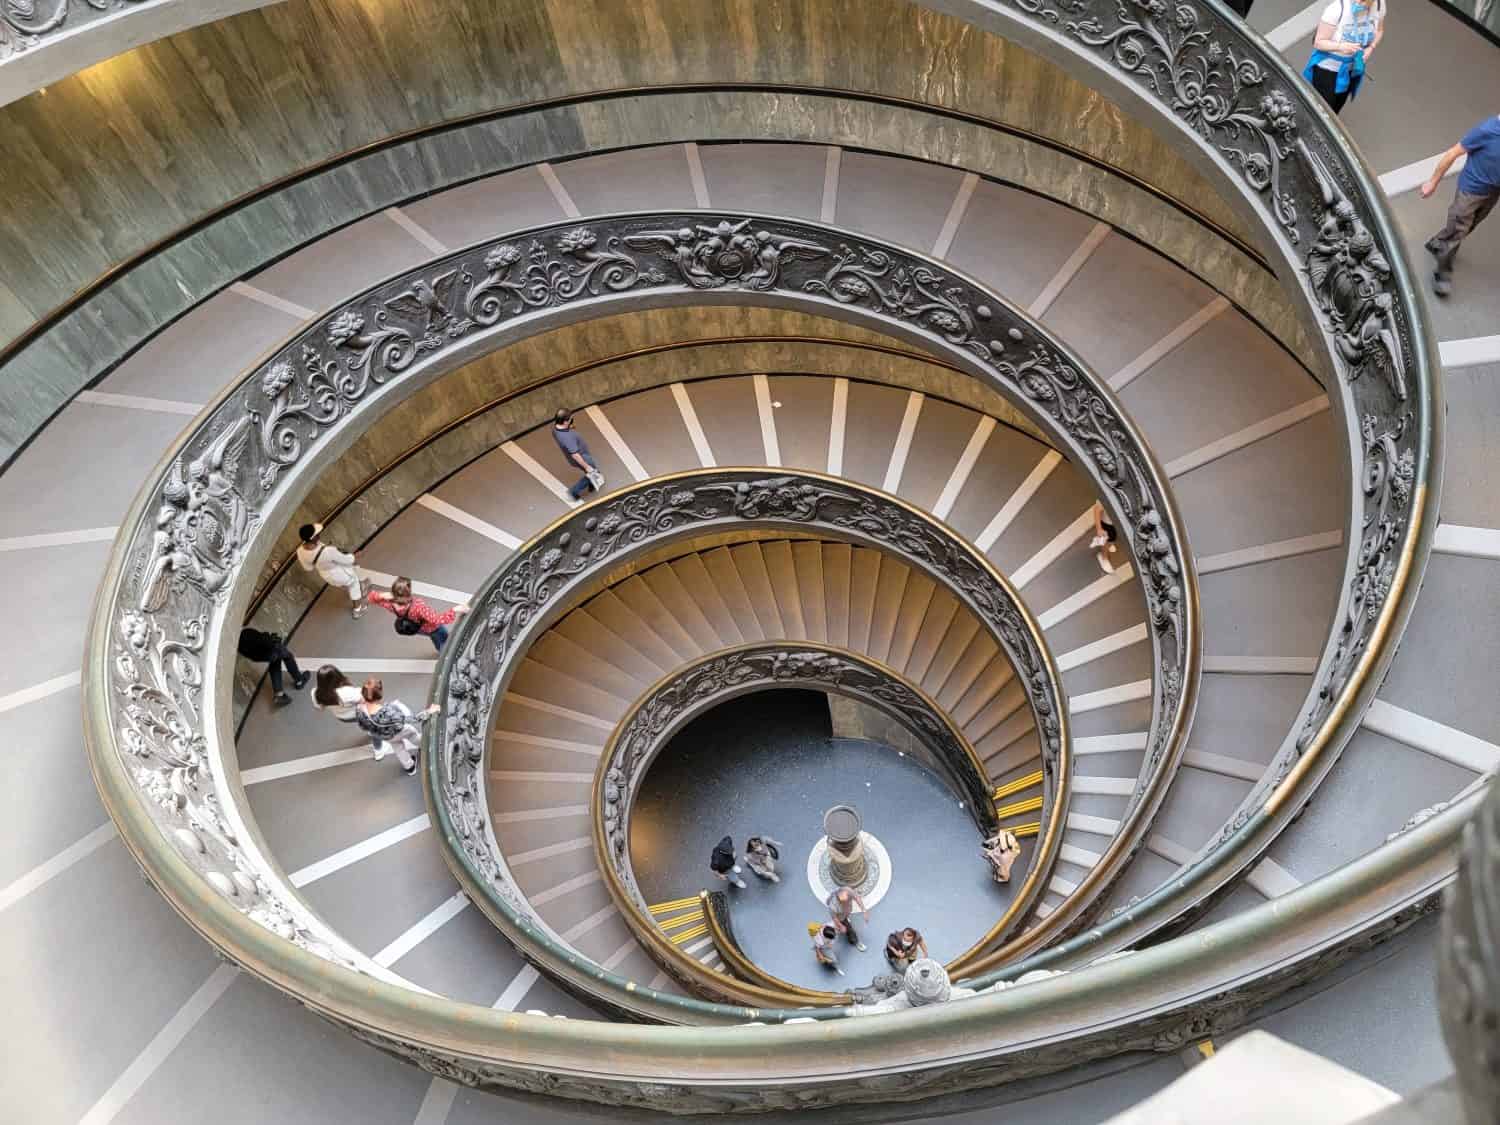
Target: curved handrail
[[687, 691], [1397, 512], [157, 720], [542, 579], [1273, 143], [721, 931], [284, 565]]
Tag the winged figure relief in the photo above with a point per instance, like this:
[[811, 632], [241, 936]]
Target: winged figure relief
[[202, 525], [1353, 284], [711, 256], [431, 303]]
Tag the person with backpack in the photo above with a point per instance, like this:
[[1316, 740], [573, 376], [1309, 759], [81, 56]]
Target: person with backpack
[[391, 723], [723, 863], [333, 566], [413, 615], [1348, 33], [576, 452], [761, 854], [271, 650]]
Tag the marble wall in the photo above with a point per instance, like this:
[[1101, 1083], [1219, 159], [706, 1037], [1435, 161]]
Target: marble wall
[[154, 144]]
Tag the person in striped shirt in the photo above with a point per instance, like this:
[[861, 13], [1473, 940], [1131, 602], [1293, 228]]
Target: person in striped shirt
[[413, 615]]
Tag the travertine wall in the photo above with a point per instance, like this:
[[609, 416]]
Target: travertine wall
[[136, 150]]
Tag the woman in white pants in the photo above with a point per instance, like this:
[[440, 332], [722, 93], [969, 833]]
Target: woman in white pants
[[391, 723], [334, 566]]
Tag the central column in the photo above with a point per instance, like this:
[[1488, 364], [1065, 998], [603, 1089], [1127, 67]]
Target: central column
[[846, 849]]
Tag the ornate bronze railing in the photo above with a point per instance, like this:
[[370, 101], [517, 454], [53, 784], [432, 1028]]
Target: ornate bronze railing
[[155, 715], [1255, 126], [545, 577]]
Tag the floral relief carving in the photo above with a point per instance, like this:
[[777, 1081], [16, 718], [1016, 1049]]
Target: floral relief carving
[[202, 523], [535, 582], [25, 23], [208, 511], [1200, 66], [189, 547]]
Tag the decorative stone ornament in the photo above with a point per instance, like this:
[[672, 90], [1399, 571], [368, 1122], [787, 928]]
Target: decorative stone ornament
[[927, 983], [1469, 966]]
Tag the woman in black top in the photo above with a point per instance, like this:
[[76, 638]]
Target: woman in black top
[[270, 649], [1103, 542], [722, 862]]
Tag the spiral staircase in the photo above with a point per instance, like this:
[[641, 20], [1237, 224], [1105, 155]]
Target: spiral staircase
[[1244, 755]]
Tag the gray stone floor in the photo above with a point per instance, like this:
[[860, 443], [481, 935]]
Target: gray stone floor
[[766, 764]]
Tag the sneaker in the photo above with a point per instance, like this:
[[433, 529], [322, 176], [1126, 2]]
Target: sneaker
[[1431, 246], [300, 682], [736, 869], [740, 883], [1104, 564], [358, 611], [281, 699], [1441, 285], [409, 770], [860, 947]]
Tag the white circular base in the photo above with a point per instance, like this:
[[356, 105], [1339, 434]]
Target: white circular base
[[877, 871]]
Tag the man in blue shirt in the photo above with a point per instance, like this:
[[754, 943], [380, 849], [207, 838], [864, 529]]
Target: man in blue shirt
[[576, 450], [1478, 191]]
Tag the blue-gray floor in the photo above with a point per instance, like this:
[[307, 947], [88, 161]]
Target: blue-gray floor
[[766, 764]]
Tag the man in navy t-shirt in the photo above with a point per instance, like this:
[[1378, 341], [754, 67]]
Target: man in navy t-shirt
[[1478, 191], [576, 450]]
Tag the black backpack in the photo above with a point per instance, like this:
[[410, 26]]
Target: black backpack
[[407, 625]]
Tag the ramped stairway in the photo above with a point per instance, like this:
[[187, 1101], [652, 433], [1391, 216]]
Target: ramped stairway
[[1240, 427]]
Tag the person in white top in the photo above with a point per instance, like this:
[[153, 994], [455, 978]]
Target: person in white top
[[334, 566], [1348, 33], [332, 692]]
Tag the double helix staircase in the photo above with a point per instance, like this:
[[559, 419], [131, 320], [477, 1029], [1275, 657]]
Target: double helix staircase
[[135, 1020]]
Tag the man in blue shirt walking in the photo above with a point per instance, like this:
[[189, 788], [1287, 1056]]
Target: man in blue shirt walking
[[1478, 191], [576, 450]]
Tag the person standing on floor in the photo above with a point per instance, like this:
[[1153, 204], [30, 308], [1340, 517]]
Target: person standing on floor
[[722, 863], [1002, 850], [333, 566], [391, 723], [903, 947], [841, 904], [271, 650], [761, 854], [414, 616], [576, 451], [1478, 191], [824, 937], [332, 692], [1347, 35]]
